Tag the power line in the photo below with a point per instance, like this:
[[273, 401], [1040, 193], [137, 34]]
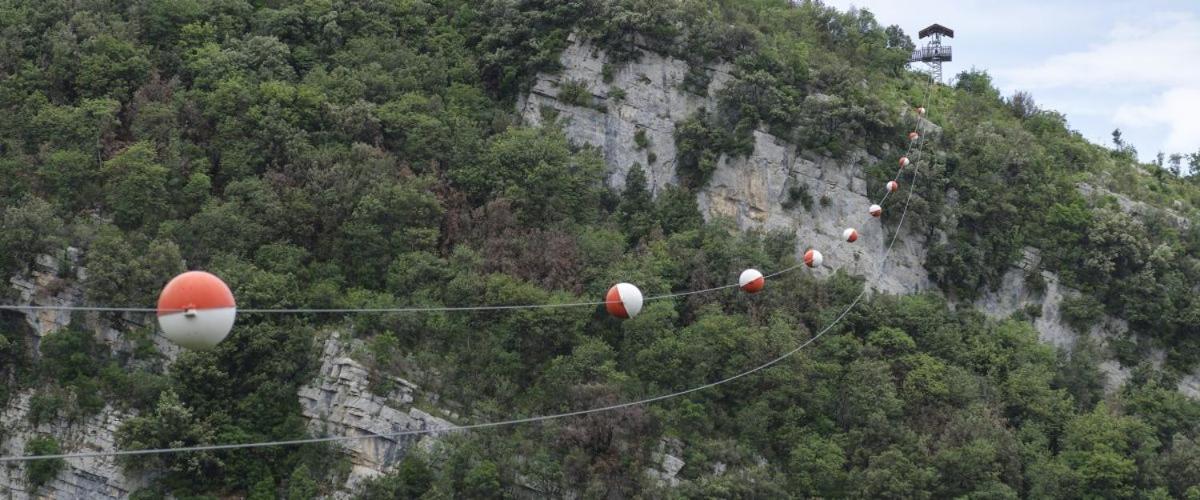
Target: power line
[[378, 310], [542, 418]]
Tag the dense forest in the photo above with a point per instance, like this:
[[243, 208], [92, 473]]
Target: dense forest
[[368, 153]]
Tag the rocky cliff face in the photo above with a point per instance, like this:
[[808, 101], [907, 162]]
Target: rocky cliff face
[[1015, 295], [81, 478], [98, 478], [647, 95], [337, 402]]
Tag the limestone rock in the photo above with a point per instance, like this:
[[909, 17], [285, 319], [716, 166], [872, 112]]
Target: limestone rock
[[339, 403], [1135, 208], [652, 103], [751, 191], [98, 478], [666, 462], [1015, 295]]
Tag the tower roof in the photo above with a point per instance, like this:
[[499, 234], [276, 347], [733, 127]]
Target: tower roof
[[936, 29]]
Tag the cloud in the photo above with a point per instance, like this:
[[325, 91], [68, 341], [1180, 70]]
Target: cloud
[[1104, 63], [1145, 73], [1177, 108], [979, 21], [1161, 50]]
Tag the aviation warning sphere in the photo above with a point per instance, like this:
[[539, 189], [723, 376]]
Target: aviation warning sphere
[[903, 161], [813, 258], [752, 281], [623, 300], [921, 111], [892, 186], [850, 235], [912, 136], [875, 210], [196, 310]]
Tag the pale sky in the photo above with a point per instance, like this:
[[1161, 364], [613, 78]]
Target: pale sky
[[1104, 64]]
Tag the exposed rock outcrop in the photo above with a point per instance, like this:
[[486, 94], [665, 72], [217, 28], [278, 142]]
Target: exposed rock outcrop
[[44, 286], [643, 95], [80, 478], [339, 403], [1134, 207], [667, 463], [751, 191], [1015, 295], [91, 478]]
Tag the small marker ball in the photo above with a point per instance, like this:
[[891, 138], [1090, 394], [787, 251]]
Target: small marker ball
[[850, 235], [904, 161], [752, 281], [813, 258], [196, 310], [875, 210], [921, 111], [893, 186], [623, 300], [912, 136]]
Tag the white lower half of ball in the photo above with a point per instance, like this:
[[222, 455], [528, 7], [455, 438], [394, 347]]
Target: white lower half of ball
[[202, 330]]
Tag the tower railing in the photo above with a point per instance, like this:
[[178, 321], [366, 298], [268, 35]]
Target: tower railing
[[932, 54]]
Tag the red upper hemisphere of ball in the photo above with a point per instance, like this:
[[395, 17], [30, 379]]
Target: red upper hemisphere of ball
[[194, 290]]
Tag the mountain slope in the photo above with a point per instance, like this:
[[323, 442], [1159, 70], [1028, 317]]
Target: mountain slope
[[365, 154]]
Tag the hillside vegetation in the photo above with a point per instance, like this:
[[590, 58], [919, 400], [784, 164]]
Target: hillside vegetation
[[339, 153]]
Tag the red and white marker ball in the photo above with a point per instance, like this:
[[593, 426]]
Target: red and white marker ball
[[850, 235], [893, 186], [904, 161], [875, 210], [752, 281], [196, 310], [623, 300], [813, 258], [912, 136], [921, 111]]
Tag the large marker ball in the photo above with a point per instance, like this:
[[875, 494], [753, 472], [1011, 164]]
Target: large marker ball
[[893, 186], [623, 300], [875, 210], [850, 235], [912, 136], [904, 161], [196, 310], [813, 258], [752, 281]]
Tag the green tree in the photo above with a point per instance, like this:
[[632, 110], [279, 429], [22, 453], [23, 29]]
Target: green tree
[[109, 66], [677, 210], [40, 472], [301, 485], [538, 172], [482, 481], [264, 489], [73, 177], [817, 466], [136, 187], [91, 126], [894, 474], [410, 481], [27, 229], [132, 273], [171, 424], [400, 217], [635, 212]]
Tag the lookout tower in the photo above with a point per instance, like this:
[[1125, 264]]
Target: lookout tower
[[934, 53]]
